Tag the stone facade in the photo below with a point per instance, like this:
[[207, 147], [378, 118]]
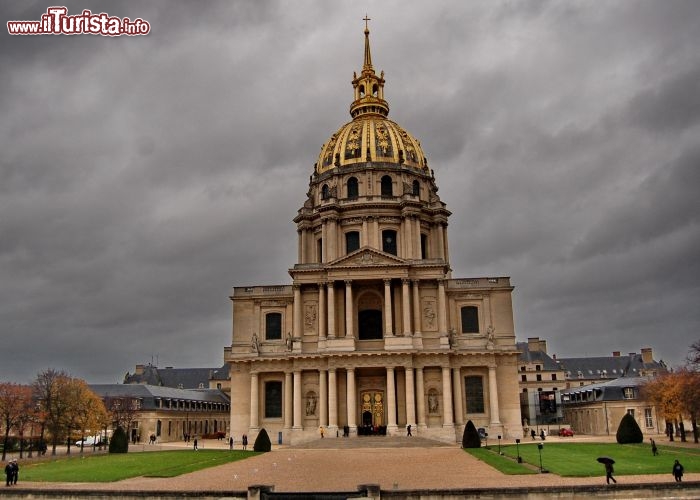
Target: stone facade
[[373, 334]]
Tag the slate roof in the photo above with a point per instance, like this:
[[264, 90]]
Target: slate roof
[[183, 378], [612, 367], [149, 394], [537, 357], [611, 390]]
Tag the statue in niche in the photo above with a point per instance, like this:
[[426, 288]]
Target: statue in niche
[[288, 341], [451, 338], [254, 344], [489, 337], [311, 404], [433, 403]]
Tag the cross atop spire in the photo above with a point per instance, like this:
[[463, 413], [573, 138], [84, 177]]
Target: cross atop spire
[[365, 19], [368, 56], [368, 87]]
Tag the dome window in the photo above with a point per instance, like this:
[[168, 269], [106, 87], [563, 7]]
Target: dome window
[[362, 90], [416, 188], [389, 241], [352, 241], [353, 189], [375, 90], [387, 189], [325, 192]]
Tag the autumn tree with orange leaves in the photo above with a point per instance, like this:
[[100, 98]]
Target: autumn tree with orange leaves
[[16, 403]]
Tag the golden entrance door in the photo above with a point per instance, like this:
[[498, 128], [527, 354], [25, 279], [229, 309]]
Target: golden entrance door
[[372, 408]]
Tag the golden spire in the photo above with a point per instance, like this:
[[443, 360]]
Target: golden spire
[[368, 87], [367, 66]]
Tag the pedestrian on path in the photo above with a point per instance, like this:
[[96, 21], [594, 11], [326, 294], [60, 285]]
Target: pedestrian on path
[[8, 473], [230, 443], [408, 430], [609, 473], [15, 471], [654, 449], [244, 441], [195, 443], [320, 429], [677, 471]]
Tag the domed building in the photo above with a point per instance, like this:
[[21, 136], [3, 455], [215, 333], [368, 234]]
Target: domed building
[[373, 334]]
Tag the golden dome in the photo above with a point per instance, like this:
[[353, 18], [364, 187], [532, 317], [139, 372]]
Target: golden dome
[[370, 136]]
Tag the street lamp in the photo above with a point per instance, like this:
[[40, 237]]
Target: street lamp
[[517, 449], [539, 448], [499, 444]]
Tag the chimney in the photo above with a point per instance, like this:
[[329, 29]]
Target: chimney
[[139, 370], [616, 354], [534, 344], [647, 355]]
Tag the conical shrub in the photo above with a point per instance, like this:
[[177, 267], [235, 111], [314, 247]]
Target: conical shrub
[[629, 431], [262, 442], [470, 438], [119, 442]]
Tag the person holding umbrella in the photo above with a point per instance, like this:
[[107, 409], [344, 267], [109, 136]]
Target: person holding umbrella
[[608, 462]]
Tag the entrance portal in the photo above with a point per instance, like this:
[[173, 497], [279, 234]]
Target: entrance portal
[[372, 413], [370, 324]]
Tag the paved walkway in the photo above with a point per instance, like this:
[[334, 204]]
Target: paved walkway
[[337, 464]]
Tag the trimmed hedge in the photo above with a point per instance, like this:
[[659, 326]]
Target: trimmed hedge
[[119, 442], [629, 432], [262, 442], [470, 438]]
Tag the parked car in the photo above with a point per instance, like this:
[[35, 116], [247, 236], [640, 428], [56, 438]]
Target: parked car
[[565, 432], [89, 441]]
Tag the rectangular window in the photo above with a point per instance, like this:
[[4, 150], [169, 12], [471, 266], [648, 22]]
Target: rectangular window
[[352, 241], [423, 246], [523, 378], [273, 399], [554, 376], [648, 420], [474, 387], [539, 377], [470, 319], [273, 326]]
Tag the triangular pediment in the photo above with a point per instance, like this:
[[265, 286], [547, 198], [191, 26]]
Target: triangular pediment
[[365, 257]]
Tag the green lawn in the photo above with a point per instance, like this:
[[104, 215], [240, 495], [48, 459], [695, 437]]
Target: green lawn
[[579, 459], [107, 468]]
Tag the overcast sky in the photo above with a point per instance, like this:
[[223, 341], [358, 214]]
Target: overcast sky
[[142, 177]]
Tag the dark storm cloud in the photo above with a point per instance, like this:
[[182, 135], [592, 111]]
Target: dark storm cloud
[[142, 177]]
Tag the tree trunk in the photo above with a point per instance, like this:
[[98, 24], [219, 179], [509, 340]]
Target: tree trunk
[[694, 421]]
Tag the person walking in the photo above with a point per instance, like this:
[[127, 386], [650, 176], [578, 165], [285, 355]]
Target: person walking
[[8, 473], [244, 441], [230, 443], [320, 429], [609, 473], [15, 471], [408, 430], [195, 443], [542, 434], [677, 471], [654, 449], [532, 434]]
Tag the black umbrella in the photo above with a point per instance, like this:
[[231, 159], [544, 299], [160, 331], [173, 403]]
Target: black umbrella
[[605, 460]]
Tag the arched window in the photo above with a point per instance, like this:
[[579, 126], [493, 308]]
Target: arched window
[[416, 188], [470, 319], [353, 190], [319, 250], [389, 241], [387, 189], [423, 246], [352, 241], [273, 326], [325, 192]]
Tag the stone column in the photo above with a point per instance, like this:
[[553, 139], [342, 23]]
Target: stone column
[[410, 400], [331, 310], [441, 241], [493, 396], [416, 309], [349, 316], [297, 312], [332, 240], [416, 238], [406, 306], [446, 398], [332, 399], [457, 393], [300, 246], [375, 232], [288, 400], [323, 398], [297, 400], [364, 237], [442, 307], [446, 243], [408, 239], [324, 241], [351, 399], [420, 398], [388, 326], [254, 401], [390, 399], [322, 311]]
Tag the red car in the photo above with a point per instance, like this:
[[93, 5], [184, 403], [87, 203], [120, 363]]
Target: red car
[[566, 433]]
